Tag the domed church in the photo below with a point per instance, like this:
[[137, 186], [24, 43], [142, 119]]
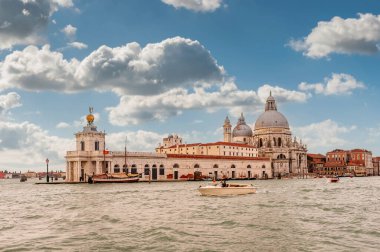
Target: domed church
[[272, 138]]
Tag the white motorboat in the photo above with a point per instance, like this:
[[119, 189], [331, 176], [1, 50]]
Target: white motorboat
[[223, 189]]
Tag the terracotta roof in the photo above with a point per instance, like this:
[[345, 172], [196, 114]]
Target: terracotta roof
[[337, 151], [217, 157], [316, 155], [211, 144], [359, 150]]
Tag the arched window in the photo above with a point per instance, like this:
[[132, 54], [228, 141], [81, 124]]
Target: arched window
[[233, 166], [196, 166], [82, 145], [162, 170], [249, 167], [146, 169], [154, 166], [215, 166], [279, 142], [281, 156], [263, 166], [274, 141], [116, 168], [175, 166], [261, 142], [134, 169]]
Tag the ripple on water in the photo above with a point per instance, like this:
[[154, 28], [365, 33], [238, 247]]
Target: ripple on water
[[284, 215]]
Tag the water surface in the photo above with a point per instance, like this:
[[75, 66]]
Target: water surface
[[284, 215]]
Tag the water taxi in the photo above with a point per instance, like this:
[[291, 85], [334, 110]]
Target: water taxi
[[224, 189], [334, 179]]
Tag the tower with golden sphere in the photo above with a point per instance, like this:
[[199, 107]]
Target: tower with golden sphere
[[90, 139]]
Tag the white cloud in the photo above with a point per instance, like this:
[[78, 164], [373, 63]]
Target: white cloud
[[24, 22], [196, 5], [338, 84], [9, 101], [345, 36], [136, 141], [281, 94], [62, 125], [26, 145], [325, 135], [174, 62], [136, 109], [69, 31], [77, 45]]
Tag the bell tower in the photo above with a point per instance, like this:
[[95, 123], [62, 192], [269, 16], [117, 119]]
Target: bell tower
[[227, 130]]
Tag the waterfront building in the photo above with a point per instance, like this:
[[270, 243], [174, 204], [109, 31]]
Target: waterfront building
[[376, 166], [91, 157], [357, 162], [315, 163], [267, 151], [273, 139]]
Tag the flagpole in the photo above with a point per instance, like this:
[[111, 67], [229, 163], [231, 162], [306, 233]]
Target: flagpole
[[125, 155]]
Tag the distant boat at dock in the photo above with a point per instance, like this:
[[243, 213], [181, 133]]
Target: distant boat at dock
[[113, 178]]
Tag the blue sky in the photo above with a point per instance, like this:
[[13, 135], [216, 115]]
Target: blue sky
[[154, 67]]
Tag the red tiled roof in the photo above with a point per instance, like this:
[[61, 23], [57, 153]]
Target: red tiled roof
[[211, 144], [359, 150], [316, 155], [337, 151], [216, 157]]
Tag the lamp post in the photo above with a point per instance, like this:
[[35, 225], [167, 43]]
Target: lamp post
[[47, 170]]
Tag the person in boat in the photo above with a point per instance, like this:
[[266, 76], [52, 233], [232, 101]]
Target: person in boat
[[224, 184]]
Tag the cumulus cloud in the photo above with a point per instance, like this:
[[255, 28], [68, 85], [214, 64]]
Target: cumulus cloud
[[69, 31], [195, 5], [23, 22], [281, 94], [26, 145], [324, 136], [338, 84], [9, 101], [77, 45], [63, 125], [344, 36], [136, 141], [174, 62], [136, 109]]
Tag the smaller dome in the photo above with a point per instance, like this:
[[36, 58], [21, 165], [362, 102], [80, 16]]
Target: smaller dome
[[242, 129]]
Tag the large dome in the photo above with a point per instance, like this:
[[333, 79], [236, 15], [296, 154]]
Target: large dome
[[242, 129], [271, 118]]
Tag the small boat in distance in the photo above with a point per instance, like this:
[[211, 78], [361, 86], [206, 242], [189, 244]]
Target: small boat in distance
[[334, 179], [23, 178], [224, 189], [113, 178]]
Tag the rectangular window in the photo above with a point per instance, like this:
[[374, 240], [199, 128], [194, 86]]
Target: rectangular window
[[82, 146], [162, 171], [96, 145]]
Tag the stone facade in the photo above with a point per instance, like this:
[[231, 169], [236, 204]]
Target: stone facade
[[268, 151], [273, 139]]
